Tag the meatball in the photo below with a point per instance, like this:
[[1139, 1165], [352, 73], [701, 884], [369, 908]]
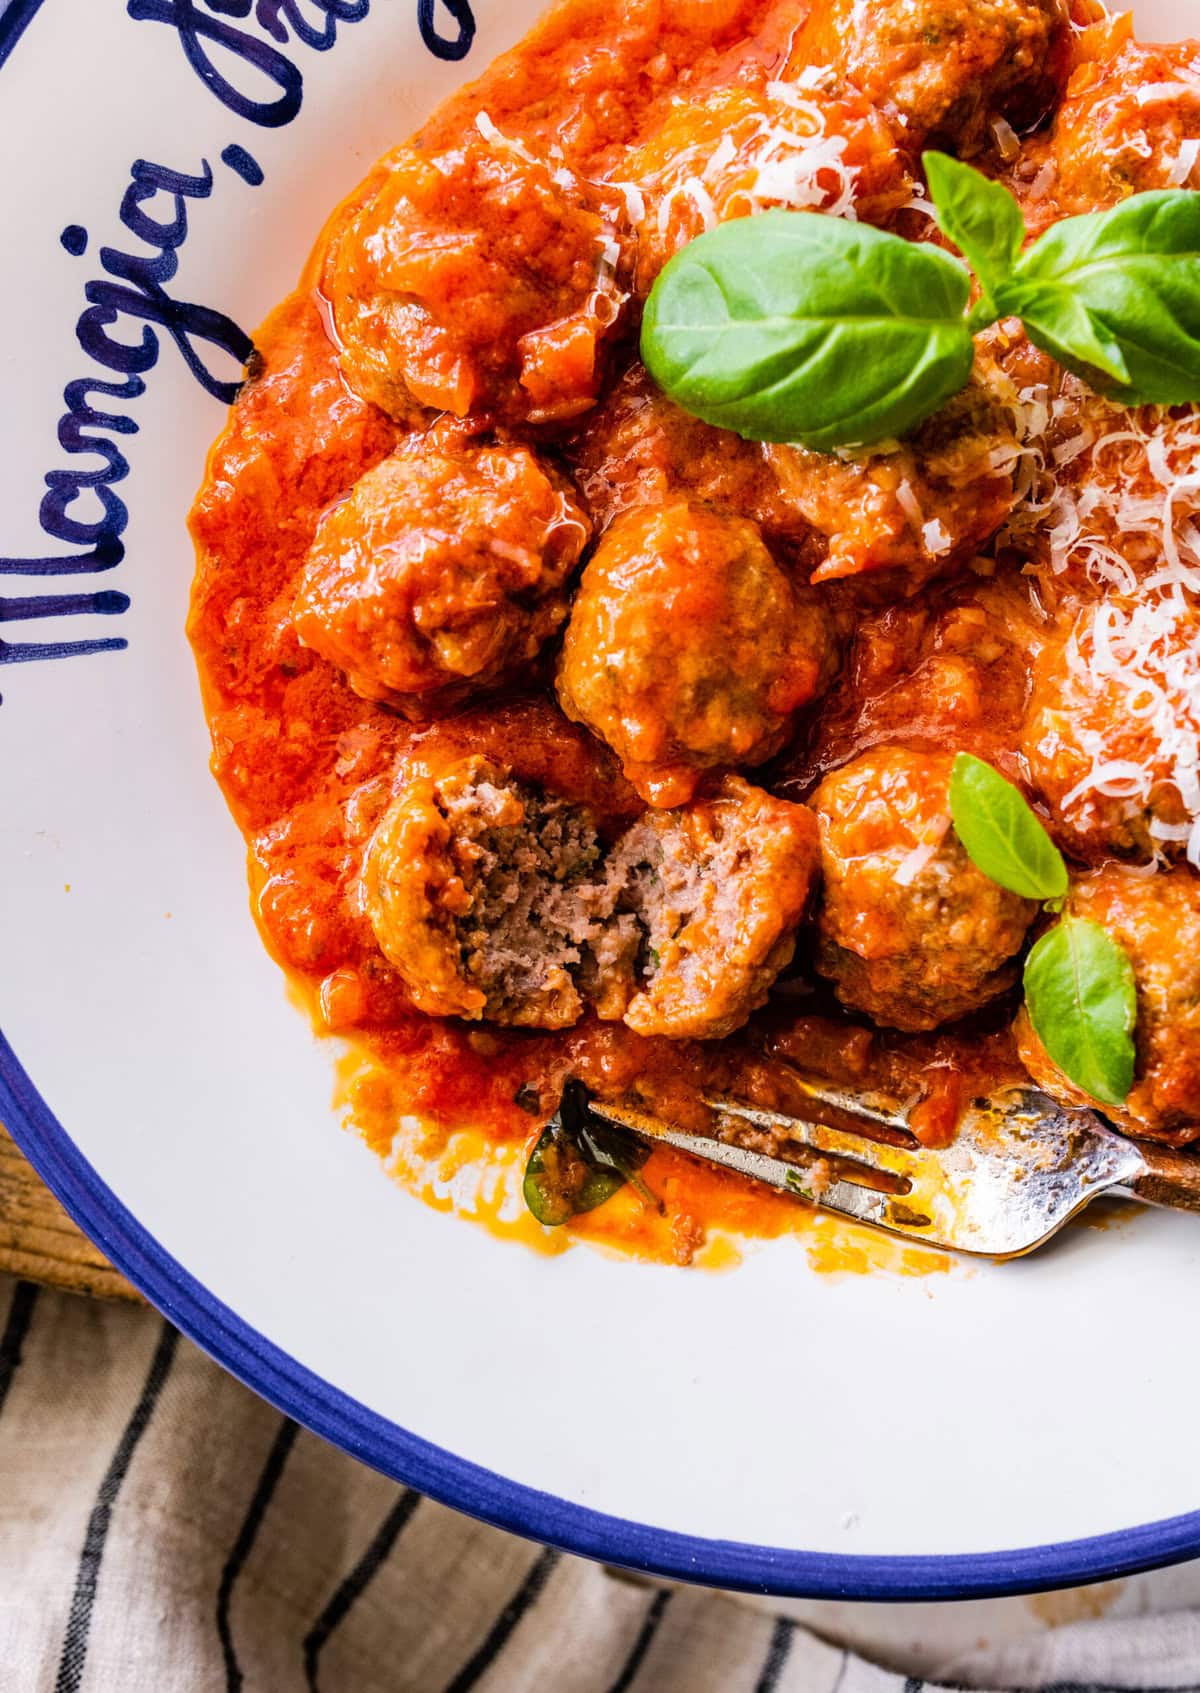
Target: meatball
[[742, 150], [1111, 730], [909, 930], [442, 574], [719, 888], [949, 667], [1156, 919], [475, 281], [1130, 123], [689, 648], [491, 900], [945, 69], [638, 448], [923, 506]]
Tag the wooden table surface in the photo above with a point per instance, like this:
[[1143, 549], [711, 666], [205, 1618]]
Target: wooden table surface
[[39, 1242]]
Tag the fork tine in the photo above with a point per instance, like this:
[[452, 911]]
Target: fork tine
[[1020, 1166], [875, 1155], [864, 1204]]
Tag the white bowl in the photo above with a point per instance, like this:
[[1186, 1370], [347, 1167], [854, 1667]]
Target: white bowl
[[985, 1430]]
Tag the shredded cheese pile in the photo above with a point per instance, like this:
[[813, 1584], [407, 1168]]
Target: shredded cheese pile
[[1148, 652], [1114, 496], [793, 163]]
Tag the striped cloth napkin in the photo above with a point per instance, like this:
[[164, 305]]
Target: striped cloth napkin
[[162, 1530]]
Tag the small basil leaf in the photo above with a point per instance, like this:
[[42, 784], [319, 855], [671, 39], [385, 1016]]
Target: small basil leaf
[[1081, 999], [561, 1183], [579, 1161], [794, 326], [1001, 834], [978, 215], [1119, 292], [613, 1149], [1059, 322]]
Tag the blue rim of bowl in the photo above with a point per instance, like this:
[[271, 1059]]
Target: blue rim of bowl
[[511, 1505], [481, 1493]]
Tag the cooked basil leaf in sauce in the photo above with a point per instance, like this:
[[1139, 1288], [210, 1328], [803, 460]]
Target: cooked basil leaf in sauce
[[579, 1161]]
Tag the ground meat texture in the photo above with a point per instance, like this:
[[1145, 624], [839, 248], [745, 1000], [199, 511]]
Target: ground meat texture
[[719, 888], [741, 150], [442, 575], [944, 69], [924, 506], [689, 648], [1130, 123], [490, 900], [475, 281], [909, 930], [1156, 919]]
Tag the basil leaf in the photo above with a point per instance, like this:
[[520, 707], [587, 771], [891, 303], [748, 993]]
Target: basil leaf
[[1060, 323], [579, 1161], [978, 215], [1001, 834], [794, 326], [1081, 999], [1118, 293]]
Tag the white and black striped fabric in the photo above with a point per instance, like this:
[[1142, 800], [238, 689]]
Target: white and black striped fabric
[[164, 1531]]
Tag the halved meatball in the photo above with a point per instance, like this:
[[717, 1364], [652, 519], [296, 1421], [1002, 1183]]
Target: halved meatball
[[719, 888], [945, 69], [1130, 122], [742, 150], [1156, 919], [923, 506], [689, 648], [1110, 730], [909, 930], [442, 574], [478, 281], [491, 900]]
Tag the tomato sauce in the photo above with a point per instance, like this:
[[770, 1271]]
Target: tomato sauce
[[307, 765]]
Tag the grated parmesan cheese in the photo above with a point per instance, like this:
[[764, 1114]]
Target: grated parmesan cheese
[[1184, 163], [791, 162], [1114, 495], [495, 137], [912, 864], [936, 538], [1155, 93]]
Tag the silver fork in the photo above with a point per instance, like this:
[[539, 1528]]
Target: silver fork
[[1018, 1169]]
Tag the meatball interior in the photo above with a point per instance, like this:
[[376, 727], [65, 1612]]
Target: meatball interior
[[491, 900], [442, 574], [909, 930], [689, 648], [495, 900], [719, 888]]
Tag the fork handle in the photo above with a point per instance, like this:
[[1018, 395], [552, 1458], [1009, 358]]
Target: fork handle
[[1169, 1179]]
